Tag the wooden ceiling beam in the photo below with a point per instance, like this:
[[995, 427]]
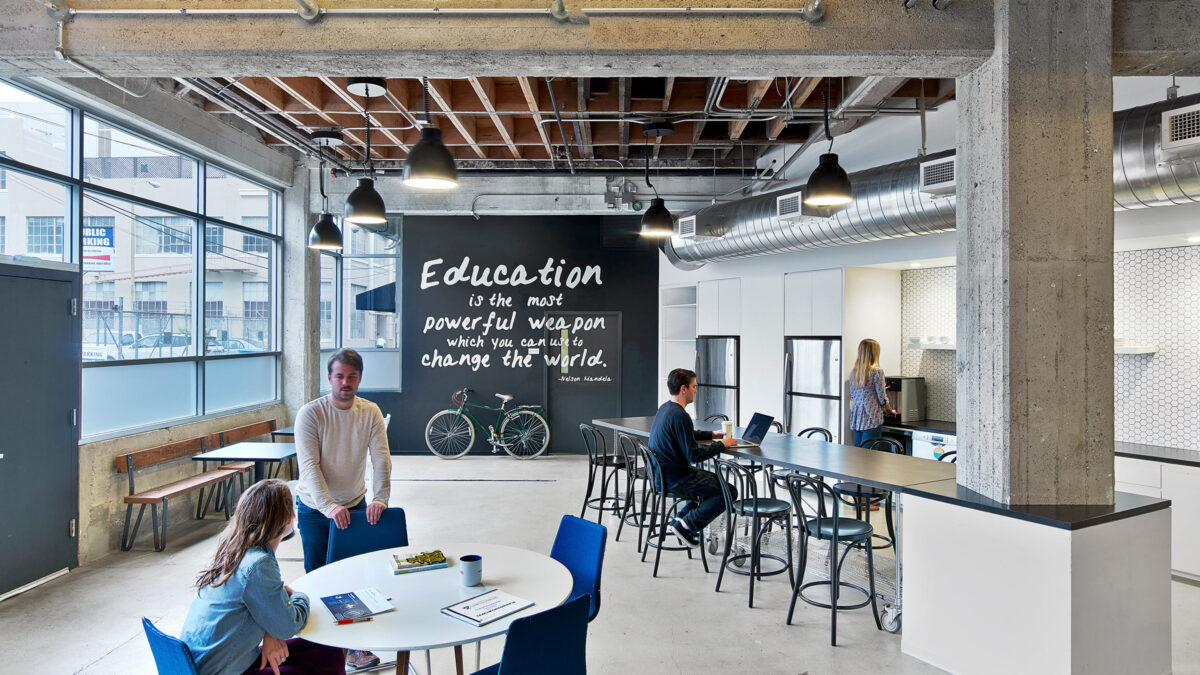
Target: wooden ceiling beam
[[439, 93], [668, 89], [806, 88], [311, 93], [755, 91], [339, 90], [529, 89], [582, 94], [268, 93], [698, 127], [485, 89], [623, 102]]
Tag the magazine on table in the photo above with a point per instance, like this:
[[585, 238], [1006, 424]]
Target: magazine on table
[[417, 562], [486, 607], [357, 606]]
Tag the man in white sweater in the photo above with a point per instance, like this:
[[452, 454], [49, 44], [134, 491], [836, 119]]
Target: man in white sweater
[[335, 435]]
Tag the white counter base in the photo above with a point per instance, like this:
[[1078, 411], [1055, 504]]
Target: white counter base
[[985, 593]]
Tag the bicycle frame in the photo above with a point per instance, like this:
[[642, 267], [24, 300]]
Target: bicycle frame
[[463, 406]]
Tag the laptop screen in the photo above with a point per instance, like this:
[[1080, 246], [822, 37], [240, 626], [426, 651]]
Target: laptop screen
[[757, 429]]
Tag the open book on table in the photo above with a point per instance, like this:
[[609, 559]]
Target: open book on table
[[486, 607]]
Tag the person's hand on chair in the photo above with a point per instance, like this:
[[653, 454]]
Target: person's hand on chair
[[374, 510], [341, 517]]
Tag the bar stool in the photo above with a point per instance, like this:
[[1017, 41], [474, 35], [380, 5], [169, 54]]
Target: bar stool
[[635, 471], [779, 476], [864, 496], [607, 465], [763, 512], [852, 532], [660, 513]]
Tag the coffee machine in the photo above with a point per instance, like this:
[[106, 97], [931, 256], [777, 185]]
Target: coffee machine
[[906, 395]]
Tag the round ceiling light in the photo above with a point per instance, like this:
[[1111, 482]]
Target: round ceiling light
[[325, 234], [367, 87], [429, 165], [327, 137], [364, 206], [657, 221], [828, 184]]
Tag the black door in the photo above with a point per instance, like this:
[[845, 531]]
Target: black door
[[38, 460], [583, 373]]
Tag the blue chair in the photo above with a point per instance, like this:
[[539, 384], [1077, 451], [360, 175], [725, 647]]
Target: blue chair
[[579, 545], [391, 531], [171, 655], [553, 641]]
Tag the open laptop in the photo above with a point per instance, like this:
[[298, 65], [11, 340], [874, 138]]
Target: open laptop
[[755, 431]]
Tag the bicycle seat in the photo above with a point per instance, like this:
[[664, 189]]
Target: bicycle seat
[[505, 397]]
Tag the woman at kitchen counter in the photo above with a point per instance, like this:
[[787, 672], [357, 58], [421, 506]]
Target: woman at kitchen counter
[[868, 397]]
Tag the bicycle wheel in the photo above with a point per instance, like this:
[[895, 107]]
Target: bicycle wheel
[[524, 434], [449, 434]]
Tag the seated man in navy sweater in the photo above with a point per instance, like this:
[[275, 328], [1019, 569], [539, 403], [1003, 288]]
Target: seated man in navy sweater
[[673, 441]]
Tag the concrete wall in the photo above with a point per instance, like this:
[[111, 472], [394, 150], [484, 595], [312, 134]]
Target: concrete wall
[[101, 488]]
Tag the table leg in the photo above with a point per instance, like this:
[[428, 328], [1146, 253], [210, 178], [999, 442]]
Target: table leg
[[401, 663], [260, 470], [458, 659]]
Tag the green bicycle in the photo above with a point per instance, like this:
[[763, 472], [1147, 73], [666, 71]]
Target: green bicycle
[[521, 431]]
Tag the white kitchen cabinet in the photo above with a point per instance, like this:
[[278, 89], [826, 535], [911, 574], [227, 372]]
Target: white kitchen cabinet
[[1134, 488], [827, 302], [718, 307], [1181, 484], [813, 303], [1146, 473]]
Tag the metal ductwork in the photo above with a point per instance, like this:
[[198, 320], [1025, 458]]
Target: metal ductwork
[[888, 202]]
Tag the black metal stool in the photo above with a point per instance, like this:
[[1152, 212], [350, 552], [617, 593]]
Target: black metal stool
[[635, 470], [660, 513], [853, 532], [737, 481], [607, 465], [863, 497]]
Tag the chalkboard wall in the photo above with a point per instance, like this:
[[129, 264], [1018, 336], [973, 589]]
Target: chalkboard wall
[[454, 323]]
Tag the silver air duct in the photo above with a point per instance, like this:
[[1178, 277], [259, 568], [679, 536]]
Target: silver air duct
[[888, 202]]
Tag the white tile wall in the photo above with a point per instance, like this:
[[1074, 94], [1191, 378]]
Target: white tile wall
[[928, 311], [1157, 300]]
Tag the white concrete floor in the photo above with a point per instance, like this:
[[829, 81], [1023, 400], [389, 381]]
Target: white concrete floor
[[89, 620]]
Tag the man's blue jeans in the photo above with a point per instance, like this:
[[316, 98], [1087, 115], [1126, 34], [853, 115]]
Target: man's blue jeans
[[705, 486], [865, 435], [314, 533]]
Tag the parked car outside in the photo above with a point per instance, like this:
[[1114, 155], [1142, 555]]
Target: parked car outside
[[241, 346], [157, 346]]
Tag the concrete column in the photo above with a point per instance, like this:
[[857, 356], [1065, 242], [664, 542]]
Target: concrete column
[[1035, 262], [301, 281]]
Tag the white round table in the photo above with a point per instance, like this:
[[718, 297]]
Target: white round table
[[417, 622]]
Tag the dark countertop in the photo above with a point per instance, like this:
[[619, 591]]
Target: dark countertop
[[1062, 516], [934, 426], [1158, 453], [913, 475]]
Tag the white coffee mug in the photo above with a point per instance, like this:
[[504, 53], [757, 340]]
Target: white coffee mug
[[470, 570]]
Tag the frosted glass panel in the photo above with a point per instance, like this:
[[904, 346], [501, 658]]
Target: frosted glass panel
[[122, 397], [233, 383]]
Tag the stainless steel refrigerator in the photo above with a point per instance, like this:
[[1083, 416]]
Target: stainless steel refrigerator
[[812, 385], [717, 376]]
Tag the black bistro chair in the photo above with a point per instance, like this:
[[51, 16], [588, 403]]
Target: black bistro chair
[[661, 512], [862, 497], [851, 532], [741, 500], [607, 465], [635, 513]]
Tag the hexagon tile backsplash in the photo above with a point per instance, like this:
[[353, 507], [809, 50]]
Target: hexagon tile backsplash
[[1156, 302]]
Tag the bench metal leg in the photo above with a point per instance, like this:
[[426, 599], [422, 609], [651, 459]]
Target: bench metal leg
[[229, 496], [126, 537], [160, 532]]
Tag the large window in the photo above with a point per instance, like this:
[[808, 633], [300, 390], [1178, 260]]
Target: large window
[[171, 308], [359, 297]]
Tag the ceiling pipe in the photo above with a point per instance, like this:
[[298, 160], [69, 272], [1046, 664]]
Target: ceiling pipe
[[889, 204], [554, 102], [309, 10]]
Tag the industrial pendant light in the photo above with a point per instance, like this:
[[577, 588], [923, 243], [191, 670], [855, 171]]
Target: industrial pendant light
[[828, 185], [657, 222], [364, 206], [429, 165], [325, 234]]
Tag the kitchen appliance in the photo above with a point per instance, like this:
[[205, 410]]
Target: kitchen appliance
[[717, 375], [812, 384], [906, 395], [929, 445]]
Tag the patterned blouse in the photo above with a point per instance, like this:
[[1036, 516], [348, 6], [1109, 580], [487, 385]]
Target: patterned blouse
[[866, 402]]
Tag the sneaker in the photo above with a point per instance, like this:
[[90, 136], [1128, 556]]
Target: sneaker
[[358, 659], [685, 534]]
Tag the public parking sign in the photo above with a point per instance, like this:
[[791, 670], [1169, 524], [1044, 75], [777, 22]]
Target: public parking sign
[[98, 249]]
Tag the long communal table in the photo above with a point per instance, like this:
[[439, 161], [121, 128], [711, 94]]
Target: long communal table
[[884, 470]]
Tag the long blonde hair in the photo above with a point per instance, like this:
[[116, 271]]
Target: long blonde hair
[[868, 360], [264, 512]]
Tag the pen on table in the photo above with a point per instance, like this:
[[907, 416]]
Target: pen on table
[[343, 622]]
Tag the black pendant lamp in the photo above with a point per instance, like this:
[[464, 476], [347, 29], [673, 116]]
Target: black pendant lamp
[[325, 234], [657, 222], [364, 206], [828, 185], [429, 165]]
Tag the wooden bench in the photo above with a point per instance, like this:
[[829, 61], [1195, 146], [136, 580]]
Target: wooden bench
[[240, 434], [161, 495]]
